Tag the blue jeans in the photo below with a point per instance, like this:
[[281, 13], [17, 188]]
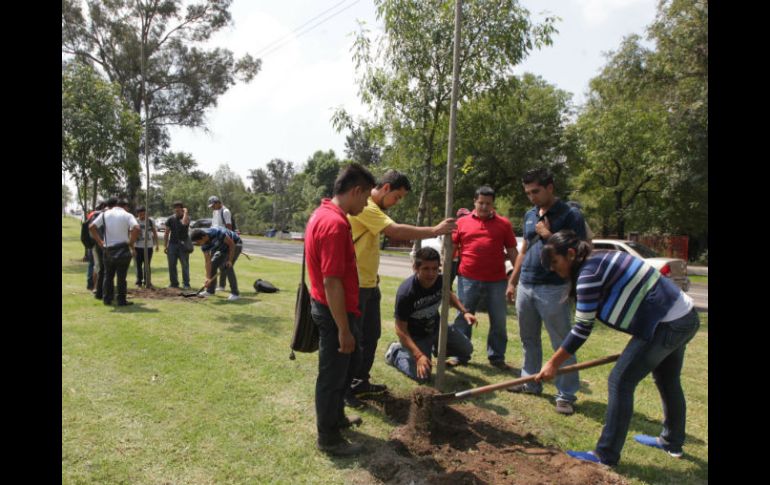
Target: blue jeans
[[176, 252], [90, 270], [370, 326], [457, 345], [335, 373], [228, 272], [663, 356], [469, 293], [535, 305]]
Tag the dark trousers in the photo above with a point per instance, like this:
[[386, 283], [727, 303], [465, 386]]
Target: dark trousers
[[98, 254], [370, 326], [139, 263], [229, 273], [334, 374], [111, 268], [663, 355], [90, 270], [176, 252]]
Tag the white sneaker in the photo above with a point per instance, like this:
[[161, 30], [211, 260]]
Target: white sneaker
[[233, 297], [220, 288], [391, 348], [205, 293]]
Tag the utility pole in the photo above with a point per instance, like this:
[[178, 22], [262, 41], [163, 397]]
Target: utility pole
[[448, 248]]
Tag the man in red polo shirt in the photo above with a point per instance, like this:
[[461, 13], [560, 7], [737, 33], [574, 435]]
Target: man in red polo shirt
[[331, 263], [484, 238]]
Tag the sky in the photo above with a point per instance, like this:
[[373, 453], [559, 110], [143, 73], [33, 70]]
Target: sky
[[307, 72]]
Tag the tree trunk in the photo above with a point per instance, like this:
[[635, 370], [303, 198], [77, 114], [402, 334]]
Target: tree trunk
[[93, 201], [620, 227]]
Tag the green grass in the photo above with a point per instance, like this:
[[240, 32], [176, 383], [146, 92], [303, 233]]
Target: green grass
[[699, 279], [204, 393]]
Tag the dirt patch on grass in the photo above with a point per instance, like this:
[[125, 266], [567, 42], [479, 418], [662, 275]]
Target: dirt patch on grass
[[161, 294], [464, 444]]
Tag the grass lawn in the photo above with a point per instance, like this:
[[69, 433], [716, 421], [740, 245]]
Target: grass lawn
[[204, 392], [699, 279]]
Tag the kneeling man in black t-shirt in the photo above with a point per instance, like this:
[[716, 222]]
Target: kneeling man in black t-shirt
[[417, 320]]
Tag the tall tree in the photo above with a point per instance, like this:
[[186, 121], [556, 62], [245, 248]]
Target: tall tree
[[516, 126], [182, 78], [99, 131], [66, 197], [280, 174], [679, 69], [625, 139], [260, 181], [407, 80]]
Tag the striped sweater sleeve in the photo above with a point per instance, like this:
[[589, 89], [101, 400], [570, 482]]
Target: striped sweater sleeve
[[589, 290]]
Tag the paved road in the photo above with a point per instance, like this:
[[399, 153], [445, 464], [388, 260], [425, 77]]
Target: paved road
[[396, 266], [399, 267]]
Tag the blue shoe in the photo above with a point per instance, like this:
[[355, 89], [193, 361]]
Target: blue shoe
[[584, 455], [655, 442]]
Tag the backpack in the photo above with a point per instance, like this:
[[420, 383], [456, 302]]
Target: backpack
[[264, 286], [85, 234], [232, 219]]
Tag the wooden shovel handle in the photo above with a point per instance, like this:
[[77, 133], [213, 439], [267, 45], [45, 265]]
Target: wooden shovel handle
[[523, 380]]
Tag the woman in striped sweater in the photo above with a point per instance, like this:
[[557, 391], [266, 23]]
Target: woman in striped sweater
[[628, 295]]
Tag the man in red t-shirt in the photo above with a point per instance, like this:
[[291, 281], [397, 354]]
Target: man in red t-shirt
[[331, 263], [484, 238]]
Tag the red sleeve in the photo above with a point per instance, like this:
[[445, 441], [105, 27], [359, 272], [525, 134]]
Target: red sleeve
[[334, 253]]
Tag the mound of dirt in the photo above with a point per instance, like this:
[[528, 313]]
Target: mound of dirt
[[454, 443], [161, 293]]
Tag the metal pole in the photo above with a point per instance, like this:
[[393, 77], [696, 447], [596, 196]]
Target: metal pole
[[147, 282], [448, 249]]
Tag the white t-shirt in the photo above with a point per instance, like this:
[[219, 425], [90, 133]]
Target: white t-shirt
[[118, 224], [146, 228], [682, 306], [216, 218]]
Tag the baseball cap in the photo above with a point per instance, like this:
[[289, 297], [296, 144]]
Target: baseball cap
[[213, 200]]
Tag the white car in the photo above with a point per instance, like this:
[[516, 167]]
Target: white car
[[673, 268], [438, 242]]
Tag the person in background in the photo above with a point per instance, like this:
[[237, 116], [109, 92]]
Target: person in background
[[146, 229], [174, 239], [484, 239], [221, 217], [120, 232]]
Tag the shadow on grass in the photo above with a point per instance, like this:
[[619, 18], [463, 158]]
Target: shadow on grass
[[135, 308], [653, 474], [240, 322], [640, 423]]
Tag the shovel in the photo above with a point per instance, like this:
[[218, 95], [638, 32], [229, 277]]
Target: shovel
[[216, 261], [502, 385]]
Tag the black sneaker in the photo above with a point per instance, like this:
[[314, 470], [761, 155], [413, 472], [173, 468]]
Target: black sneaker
[[500, 364], [125, 303], [352, 401], [522, 389], [366, 388], [342, 448]]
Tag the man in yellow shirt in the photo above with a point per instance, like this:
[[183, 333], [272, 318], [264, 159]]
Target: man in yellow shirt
[[367, 226]]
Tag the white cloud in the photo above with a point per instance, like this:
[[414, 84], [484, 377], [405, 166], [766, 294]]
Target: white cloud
[[596, 12]]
